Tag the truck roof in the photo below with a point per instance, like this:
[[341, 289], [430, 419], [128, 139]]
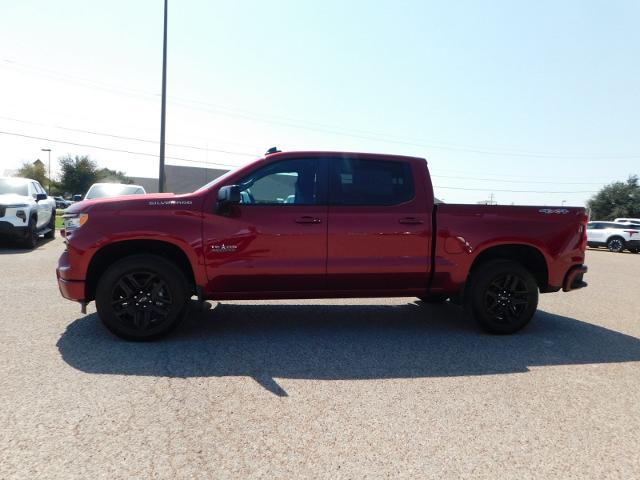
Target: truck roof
[[320, 153]]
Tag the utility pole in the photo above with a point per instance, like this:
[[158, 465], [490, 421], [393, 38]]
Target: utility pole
[[491, 199], [163, 108], [49, 174]]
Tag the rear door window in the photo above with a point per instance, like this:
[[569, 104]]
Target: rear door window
[[365, 182]]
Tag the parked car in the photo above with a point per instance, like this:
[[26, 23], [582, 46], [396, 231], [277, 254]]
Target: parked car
[[616, 236], [101, 190], [25, 211], [359, 225], [61, 203], [628, 220]]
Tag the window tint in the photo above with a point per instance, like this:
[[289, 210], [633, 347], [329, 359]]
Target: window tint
[[369, 182], [290, 182]]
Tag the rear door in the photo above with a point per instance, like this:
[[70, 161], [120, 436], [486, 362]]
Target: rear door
[[379, 226]]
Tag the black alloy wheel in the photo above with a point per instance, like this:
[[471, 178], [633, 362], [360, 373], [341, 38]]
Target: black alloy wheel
[[141, 300], [142, 297], [506, 298], [502, 296], [615, 244]]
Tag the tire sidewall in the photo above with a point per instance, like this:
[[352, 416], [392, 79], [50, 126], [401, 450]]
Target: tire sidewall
[[31, 239], [482, 279], [166, 270]]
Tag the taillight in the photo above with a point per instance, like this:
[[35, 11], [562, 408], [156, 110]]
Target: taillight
[[631, 232]]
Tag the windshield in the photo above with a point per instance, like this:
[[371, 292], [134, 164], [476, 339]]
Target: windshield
[[112, 190], [18, 187], [218, 179]]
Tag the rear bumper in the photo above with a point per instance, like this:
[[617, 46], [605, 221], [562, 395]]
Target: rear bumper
[[633, 244], [574, 279]]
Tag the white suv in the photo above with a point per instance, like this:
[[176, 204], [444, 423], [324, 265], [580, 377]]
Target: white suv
[[26, 211], [616, 236]]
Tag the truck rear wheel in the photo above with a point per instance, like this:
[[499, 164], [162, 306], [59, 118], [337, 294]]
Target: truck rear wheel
[[142, 297], [502, 296]]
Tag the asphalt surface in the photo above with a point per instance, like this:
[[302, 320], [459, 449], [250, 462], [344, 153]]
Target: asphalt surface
[[382, 388]]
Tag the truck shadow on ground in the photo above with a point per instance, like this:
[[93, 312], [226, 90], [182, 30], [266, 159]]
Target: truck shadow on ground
[[341, 342]]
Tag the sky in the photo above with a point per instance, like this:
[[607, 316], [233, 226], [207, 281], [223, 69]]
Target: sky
[[532, 102]]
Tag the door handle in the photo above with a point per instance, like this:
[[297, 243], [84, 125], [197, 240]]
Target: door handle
[[410, 221], [307, 219]]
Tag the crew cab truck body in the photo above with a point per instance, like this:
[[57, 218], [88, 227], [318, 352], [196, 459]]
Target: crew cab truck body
[[358, 225]]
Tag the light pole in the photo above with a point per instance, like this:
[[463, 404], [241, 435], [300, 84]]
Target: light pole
[[163, 108], [49, 174]]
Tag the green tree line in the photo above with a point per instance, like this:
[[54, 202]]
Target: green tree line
[[77, 174]]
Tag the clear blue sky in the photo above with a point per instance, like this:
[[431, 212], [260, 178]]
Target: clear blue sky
[[524, 94]]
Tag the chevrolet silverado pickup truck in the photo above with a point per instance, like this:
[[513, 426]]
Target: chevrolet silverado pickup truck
[[315, 225]]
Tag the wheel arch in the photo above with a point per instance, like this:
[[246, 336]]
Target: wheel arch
[[528, 256], [106, 256]]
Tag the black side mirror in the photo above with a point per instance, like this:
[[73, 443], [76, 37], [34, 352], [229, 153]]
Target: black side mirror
[[41, 196], [227, 196]]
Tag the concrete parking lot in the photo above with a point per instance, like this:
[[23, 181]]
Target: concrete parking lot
[[376, 388]]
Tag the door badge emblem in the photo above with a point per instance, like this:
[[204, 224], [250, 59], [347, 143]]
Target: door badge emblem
[[222, 248]]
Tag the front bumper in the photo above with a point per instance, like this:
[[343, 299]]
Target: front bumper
[[8, 229], [574, 279], [71, 289]]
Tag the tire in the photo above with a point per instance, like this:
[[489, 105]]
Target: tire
[[433, 299], [51, 234], [502, 296], [616, 244], [31, 239], [634, 250], [151, 314]]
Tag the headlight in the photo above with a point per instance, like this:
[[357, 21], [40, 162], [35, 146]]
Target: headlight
[[73, 221]]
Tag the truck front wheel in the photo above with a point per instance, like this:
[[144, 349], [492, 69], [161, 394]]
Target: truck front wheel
[[142, 297], [502, 296]]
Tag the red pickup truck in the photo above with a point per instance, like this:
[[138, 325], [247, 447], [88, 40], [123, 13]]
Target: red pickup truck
[[315, 225]]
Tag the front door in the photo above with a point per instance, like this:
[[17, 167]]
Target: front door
[[276, 239], [379, 227]]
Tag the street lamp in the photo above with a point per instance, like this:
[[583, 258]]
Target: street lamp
[[163, 108], [49, 175]]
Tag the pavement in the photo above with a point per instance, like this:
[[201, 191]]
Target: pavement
[[363, 388]]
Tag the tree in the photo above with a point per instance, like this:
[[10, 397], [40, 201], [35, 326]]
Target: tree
[[34, 171], [618, 199], [78, 173]]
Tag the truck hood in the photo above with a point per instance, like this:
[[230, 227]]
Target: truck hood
[[14, 199], [126, 202]]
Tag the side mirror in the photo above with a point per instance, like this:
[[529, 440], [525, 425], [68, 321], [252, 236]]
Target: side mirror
[[77, 198], [41, 196], [227, 196]]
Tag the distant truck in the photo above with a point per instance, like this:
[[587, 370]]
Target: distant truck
[[26, 211], [358, 225], [101, 190]]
